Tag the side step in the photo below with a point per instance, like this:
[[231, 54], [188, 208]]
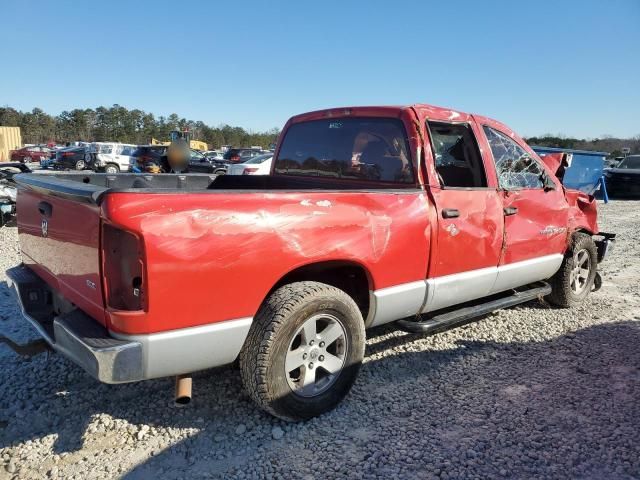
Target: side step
[[468, 312]]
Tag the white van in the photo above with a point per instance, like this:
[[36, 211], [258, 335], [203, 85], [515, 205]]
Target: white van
[[113, 157]]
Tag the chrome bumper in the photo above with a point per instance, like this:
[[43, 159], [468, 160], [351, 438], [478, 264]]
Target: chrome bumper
[[74, 334]]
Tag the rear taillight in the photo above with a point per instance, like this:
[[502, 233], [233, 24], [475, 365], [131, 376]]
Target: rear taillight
[[249, 170], [68, 154], [123, 267]]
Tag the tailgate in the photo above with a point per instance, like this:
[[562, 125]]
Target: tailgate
[[60, 240]]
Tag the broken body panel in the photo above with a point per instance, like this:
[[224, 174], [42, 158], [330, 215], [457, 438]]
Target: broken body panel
[[213, 256]]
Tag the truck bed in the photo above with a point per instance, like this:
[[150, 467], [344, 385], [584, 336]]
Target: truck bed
[[196, 238], [93, 186]]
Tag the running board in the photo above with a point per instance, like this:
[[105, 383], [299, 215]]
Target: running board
[[468, 312]]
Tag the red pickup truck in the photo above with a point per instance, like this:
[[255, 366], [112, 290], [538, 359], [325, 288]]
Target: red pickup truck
[[425, 216]]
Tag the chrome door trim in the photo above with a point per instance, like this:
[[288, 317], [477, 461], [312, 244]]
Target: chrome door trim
[[459, 288], [408, 299], [393, 303], [516, 274]]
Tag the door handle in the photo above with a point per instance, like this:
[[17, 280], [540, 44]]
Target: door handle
[[510, 211], [45, 209], [450, 213]]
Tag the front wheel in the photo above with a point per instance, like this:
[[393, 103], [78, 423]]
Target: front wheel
[[303, 351], [80, 164], [575, 279]]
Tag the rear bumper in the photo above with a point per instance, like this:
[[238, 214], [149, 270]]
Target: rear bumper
[[119, 358], [74, 334]]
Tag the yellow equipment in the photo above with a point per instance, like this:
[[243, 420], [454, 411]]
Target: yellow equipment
[[194, 144]]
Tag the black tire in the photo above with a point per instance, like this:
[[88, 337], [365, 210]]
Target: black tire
[[111, 168], [262, 360], [562, 293]]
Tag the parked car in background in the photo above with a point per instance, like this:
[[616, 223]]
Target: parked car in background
[[113, 157], [8, 188], [35, 153], [260, 165], [200, 163], [214, 155], [624, 178], [73, 158], [239, 155]]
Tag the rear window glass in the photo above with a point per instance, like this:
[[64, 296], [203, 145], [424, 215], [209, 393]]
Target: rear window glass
[[358, 148]]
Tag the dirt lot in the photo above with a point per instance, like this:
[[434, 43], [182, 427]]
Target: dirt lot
[[530, 392]]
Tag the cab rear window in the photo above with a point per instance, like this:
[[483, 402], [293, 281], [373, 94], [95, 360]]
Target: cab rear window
[[359, 148]]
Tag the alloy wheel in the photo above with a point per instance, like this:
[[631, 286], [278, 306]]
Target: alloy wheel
[[316, 355], [579, 277]]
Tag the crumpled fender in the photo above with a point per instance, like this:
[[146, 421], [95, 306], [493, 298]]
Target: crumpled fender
[[557, 163], [583, 212]]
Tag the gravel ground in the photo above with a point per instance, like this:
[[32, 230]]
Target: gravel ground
[[531, 392]]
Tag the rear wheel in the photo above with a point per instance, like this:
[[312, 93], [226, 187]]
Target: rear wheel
[[26, 159], [303, 351], [111, 168], [575, 279], [80, 164]]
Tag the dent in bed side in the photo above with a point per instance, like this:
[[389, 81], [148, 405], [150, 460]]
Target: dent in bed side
[[217, 259]]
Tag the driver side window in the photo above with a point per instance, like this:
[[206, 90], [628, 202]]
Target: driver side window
[[514, 166]]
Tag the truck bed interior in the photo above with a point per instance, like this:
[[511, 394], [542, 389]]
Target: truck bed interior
[[95, 185]]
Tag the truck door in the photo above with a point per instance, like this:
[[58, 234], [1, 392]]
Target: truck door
[[465, 257], [535, 215]]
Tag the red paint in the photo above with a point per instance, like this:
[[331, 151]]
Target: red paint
[[217, 259], [68, 258], [214, 256]]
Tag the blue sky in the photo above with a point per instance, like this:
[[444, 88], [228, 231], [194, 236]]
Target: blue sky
[[559, 66]]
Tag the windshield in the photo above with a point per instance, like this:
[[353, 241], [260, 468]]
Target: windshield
[[632, 162], [367, 148], [259, 159]]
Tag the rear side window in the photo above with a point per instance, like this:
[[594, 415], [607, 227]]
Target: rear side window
[[457, 157], [516, 169], [358, 148]]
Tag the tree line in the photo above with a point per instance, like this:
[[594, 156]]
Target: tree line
[[608, 144], [119, 124]]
